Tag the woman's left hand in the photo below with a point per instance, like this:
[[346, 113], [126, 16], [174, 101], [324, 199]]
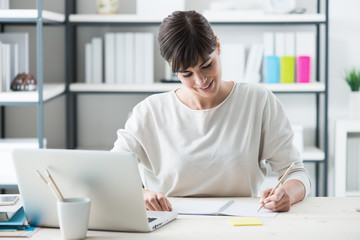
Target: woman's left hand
[[279, 201]]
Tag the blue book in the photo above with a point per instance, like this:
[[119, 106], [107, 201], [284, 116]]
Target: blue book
[[18, 220], [271, 69]]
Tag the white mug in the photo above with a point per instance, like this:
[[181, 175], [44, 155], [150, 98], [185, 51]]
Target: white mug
[[73, 215]]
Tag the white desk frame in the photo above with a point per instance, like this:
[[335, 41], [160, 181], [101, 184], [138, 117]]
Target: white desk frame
[[343, 127]]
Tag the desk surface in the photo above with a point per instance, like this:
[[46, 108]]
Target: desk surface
[[313, 218]]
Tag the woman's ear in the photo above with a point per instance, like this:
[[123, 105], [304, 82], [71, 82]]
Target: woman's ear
[[218, 47]]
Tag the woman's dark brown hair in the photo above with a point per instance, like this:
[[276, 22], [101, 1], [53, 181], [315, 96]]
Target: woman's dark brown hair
[[184, 37]]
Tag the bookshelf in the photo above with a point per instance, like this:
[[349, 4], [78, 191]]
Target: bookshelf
[[45, 92], [317, 154]]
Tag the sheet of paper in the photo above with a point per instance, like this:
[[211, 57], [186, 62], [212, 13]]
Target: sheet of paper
[[201, 207], [247, 210], [245, 221]]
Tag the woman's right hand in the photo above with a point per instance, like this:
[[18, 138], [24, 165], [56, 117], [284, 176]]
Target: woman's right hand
[[156, 201]]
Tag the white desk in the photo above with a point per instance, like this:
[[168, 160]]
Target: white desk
[[314, 218]]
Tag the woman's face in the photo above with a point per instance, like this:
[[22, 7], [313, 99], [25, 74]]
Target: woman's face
[[203, 79]]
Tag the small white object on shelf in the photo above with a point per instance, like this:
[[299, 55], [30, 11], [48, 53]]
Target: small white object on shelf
[[107, 6]]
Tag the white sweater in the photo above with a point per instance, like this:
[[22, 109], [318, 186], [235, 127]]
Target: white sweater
[[212, 152]]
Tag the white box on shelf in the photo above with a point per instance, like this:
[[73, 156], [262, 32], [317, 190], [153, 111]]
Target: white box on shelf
[[158, 7], [7, 171], [298, 137]]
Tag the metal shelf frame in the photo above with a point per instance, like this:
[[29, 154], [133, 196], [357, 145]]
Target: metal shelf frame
[[39, 18], [73, 21]]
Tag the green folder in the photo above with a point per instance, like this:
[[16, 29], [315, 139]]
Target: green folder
[[287, 69]]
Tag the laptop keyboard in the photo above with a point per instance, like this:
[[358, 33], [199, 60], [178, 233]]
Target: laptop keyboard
[[151, 219]]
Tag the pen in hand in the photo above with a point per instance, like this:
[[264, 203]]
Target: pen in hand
[[278, 183]]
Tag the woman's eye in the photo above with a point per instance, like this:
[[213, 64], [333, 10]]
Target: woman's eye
[[187, 75], [207, 66]]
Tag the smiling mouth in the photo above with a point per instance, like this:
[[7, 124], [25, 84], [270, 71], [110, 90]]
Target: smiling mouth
[[206, 87]]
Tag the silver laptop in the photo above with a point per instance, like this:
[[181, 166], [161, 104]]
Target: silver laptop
[[110, 179]]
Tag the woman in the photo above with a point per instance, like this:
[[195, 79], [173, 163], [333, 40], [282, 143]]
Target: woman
[[209, 137]]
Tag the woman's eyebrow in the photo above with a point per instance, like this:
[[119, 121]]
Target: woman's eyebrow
[[204, 62], [184, 70]]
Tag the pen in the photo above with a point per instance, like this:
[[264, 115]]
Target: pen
[[49, 185], [278, 183], [54, 184]]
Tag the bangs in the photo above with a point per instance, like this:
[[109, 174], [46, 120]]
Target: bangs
[[190, 52]]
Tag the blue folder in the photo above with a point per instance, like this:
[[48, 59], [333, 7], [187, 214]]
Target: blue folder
[[271, 69]]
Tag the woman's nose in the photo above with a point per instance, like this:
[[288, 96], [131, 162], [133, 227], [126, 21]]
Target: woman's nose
[[200, 79]]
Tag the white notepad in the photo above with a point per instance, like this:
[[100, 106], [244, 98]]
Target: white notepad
[[226, 208]]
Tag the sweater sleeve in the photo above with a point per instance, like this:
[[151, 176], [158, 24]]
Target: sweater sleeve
[[277, 143], [129, 138]]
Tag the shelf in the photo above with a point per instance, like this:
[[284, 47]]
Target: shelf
[[50, 91], [296, 87], [29, 15], [312, 154], [163, 87], [214, 19]]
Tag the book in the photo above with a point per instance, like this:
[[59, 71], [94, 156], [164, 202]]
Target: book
[[233, 61], [97, 60], [4, 4], [120, 58], [7, 212], [1, 68], [129, 57], [271, 69], [6, 69], [252, 71], [88, 63], [110, 60], [271, 66], [221, 207], [139, 58], [149, 58], [305, 50], [22, 40], [287, 61]]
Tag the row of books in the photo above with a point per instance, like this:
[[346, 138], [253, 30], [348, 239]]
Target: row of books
[[285, 58], [289, 57], [13, 221], [4, 4], [14, 57], [125, 58]]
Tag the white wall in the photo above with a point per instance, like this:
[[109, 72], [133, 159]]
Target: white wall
[[100, 115]]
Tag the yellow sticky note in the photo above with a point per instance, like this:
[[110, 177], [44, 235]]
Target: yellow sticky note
[[245, 221]]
